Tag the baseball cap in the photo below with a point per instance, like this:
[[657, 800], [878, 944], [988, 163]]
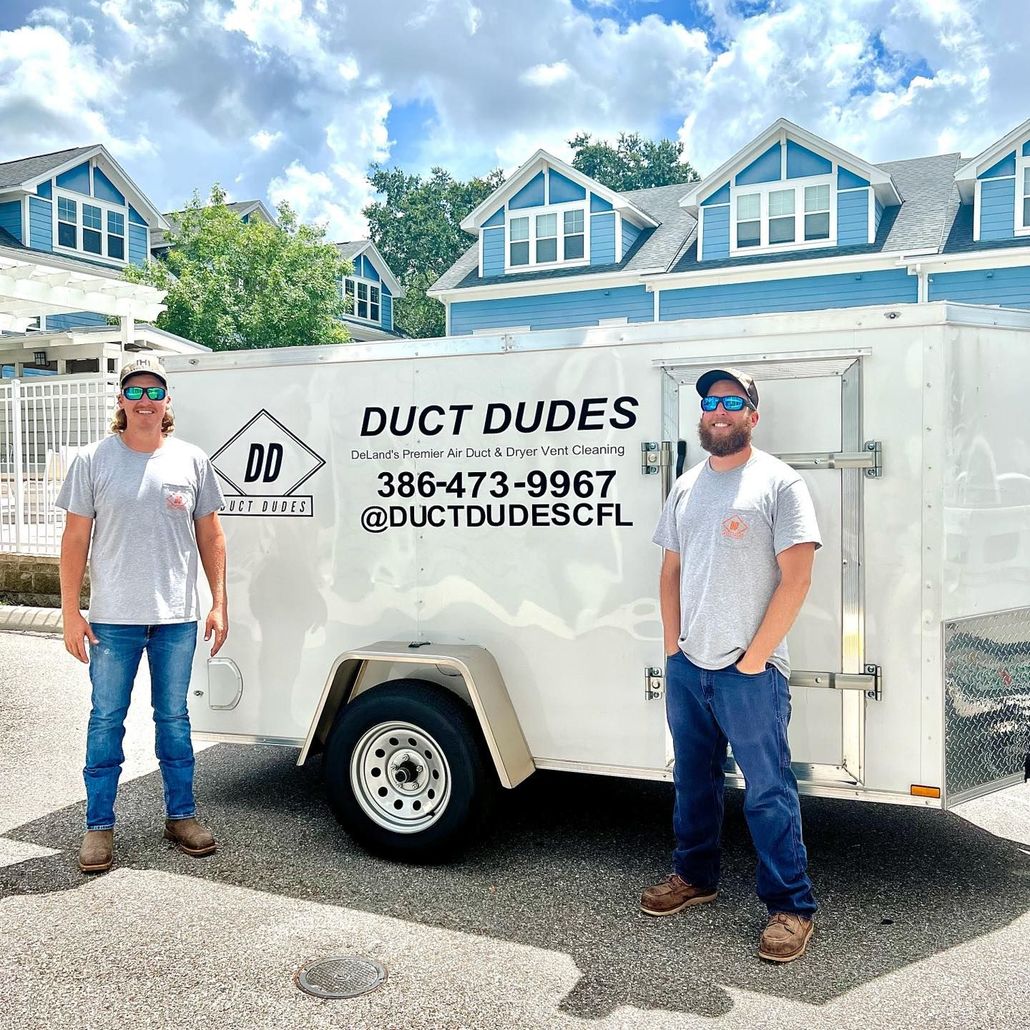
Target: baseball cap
[[742, 379], [144, 365]]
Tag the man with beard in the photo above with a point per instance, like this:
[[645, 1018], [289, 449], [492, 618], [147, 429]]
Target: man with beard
[[740, 535]]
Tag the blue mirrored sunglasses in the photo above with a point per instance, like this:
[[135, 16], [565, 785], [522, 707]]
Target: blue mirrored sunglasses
[[730, 403], [135, 393]]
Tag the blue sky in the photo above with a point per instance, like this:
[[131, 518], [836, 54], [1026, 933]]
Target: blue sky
[[293, 99]]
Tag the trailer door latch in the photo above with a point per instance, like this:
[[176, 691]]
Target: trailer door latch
[[654, 457], [654, 683]]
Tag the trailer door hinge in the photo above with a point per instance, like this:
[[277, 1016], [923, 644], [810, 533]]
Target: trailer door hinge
[[876, 448], [654, 457], [875, 693], [654, 683]]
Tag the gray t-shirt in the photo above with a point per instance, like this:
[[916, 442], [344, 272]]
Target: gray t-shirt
[[728, 528], [143, 558]]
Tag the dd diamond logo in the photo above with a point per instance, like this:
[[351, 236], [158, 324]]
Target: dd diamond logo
[[265, 464]]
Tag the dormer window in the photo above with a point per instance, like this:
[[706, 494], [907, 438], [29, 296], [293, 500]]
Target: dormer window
[[778, 215], [364, 297], [546, 237], [92, 227]]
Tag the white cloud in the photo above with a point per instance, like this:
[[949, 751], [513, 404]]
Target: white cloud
[[55, 95], [294, 98], [546, 74], [885, 79], [318, 199], [265, 140]]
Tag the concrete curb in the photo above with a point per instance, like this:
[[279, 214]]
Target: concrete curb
[[31, 620]]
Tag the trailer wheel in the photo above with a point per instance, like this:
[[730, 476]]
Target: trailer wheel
[[407, 772]]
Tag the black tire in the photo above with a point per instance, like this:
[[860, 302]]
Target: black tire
[[407, 772]]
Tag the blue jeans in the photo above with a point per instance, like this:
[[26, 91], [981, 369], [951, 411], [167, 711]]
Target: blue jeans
[[705, 709], [112, 670]]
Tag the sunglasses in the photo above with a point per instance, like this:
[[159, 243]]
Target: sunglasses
[[730, 403], [135, 393]]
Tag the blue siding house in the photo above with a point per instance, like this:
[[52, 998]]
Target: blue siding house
[[370, 291], [790, 222], [77, 204]]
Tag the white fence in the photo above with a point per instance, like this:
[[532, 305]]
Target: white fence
[[43, 425]]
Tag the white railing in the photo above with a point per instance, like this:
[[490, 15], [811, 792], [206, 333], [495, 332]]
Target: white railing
[[43, 425]]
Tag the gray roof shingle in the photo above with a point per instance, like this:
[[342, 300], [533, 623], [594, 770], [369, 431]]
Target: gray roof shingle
[[349, 248], [14, 173]]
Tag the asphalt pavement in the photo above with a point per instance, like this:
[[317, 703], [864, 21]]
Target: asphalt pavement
[[925, 917]]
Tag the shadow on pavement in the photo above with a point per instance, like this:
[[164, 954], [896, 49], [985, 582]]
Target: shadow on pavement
[[563, 868]]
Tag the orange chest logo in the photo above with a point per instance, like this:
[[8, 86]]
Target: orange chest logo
[[734, 527]]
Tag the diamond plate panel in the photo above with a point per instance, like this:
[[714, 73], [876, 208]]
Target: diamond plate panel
[[986, 702]]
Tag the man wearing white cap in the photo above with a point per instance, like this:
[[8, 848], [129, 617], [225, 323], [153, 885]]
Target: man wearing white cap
[[144, 509]]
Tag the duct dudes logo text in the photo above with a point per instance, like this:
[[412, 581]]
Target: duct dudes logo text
[[265, 465]]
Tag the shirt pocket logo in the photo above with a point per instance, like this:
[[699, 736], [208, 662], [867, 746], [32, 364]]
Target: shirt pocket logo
[[740, 529], [734, 526], [177, 498]]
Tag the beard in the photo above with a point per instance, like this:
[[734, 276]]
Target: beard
[[725, 444]]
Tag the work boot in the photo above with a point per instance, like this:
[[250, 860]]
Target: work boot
[[189, 836], [672, 895], [97, 851], [785, 937]]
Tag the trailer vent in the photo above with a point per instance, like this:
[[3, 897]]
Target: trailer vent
[[346, 976]]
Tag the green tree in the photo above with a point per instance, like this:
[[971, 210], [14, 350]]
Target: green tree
[[416, 227], [633, 163], [235, 285]]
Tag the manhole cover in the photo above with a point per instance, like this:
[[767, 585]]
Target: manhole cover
[[344, 977]]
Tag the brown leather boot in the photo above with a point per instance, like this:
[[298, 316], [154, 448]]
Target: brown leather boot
[[672, 895], [785, 937], [189, 836], [97, 851]]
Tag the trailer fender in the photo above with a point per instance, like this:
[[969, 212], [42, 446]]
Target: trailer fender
[[482, 679]]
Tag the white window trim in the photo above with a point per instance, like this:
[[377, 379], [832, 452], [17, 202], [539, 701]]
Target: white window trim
[[79, 199], [799, 242], [1022, 164], [547, 209], [372, 284]]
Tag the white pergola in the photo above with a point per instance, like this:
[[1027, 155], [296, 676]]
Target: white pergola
[[34, 283]]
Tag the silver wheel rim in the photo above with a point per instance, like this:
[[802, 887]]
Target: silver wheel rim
[[400, 777]]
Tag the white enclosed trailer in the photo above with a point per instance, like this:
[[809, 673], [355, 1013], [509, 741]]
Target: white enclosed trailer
[[441, 570]]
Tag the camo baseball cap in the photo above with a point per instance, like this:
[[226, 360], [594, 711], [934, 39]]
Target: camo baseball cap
[[144, 365], [742, 379]]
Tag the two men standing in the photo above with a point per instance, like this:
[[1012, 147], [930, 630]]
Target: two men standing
[[739, 534], [144, 508]]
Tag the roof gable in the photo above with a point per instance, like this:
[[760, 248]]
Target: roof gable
[[523, 189], [355, 248], [805, 154], [250, 208], [28, 173], [997, 153]]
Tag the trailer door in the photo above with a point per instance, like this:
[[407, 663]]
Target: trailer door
[[811, 418]]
